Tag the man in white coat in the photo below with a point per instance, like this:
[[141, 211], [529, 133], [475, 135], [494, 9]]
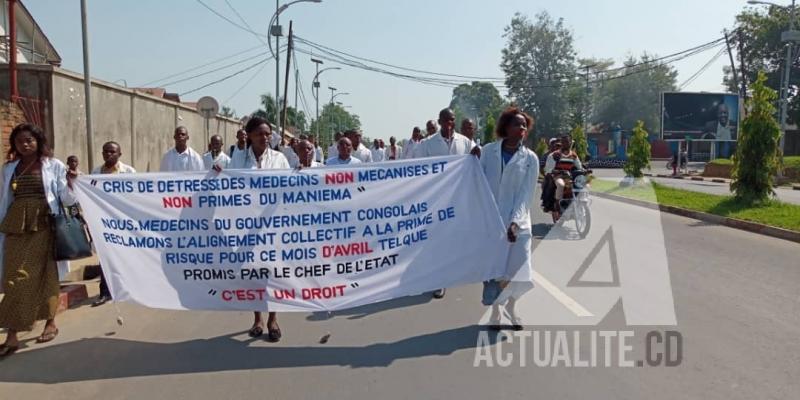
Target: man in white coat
[[181, 157], [511, 169], [360, 151], [333, 150], [410, 149], [378, 154], [446, 142], [215, 155]]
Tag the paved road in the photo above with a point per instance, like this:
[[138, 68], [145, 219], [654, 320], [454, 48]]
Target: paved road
[[735, 294], [786, 195]]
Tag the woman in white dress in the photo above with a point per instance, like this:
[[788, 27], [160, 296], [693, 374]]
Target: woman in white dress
[[512, 171]]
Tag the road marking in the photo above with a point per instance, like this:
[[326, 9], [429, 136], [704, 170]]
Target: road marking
[[562, 297]]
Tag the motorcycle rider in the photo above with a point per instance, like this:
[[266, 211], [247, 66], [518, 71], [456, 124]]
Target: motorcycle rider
[[559, 162]]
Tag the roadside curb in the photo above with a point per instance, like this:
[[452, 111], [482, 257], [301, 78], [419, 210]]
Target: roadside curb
[[795, 187], [748, 226], [692, 177]]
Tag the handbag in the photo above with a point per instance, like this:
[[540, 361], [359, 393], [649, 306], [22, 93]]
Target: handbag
[[71, 236], [491, 291]]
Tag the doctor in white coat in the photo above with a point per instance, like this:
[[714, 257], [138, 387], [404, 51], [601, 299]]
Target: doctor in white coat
[[511, 170], [30, 281]]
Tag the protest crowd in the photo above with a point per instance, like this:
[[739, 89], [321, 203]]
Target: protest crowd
[[35, 186]]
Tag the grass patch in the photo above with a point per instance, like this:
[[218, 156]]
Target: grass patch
[[721, 161], [791, 162], [773, 213]]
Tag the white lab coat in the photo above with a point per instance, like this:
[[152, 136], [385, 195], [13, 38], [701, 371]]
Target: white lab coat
[[271, 159], [362, 153], [513, 186], [318, 156], [222, 160], [398, 152], [333, 151], [378, 154], [437, 146], [54, 180], [410, 149], [189, 160]]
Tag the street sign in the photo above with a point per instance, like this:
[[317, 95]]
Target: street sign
[[208, 107]]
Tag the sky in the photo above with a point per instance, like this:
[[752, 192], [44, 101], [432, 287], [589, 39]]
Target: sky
[[147, 40]]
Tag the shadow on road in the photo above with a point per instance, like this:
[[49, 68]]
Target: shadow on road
[[104, 358], [370, 309]]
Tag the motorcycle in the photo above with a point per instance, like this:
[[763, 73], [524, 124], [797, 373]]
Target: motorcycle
[[575, 202]]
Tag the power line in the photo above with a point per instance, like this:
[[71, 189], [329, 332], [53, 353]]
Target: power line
[[217, 69], [226, 77], [199, 66], [702, 69], [249, 28], [228, 19], [245, 84]]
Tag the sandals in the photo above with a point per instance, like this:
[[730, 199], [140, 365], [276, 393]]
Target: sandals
[[256, 331], [6, 350], [47, 336], [274, 335]]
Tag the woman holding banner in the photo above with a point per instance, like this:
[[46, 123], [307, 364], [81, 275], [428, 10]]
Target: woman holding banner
[[260, 156], [512, 170], [33, 185]]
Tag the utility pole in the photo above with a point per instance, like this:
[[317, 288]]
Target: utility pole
[[277, 31], [87, 84], [587, 105], [742, 66], [790, 37], [12, 50], [286, 83], [333, 89], [315, 88], [733, 64]]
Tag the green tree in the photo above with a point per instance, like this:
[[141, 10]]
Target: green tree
[[638, 152], [334, 118], [759, 31], [294, 118], [488, 130], [579, 99], [635, 97], [581, 145], [541, 148], [476, 100], [228, 112], [757, 147], [538, 58]]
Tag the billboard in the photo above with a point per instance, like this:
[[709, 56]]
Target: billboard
[[710, 116]]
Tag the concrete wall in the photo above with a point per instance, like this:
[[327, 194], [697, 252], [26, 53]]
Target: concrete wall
[[142, 124]]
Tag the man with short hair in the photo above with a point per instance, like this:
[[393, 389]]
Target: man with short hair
[[378, 154], [430, 128], [359, 151], [241, 143], [111, 165], [215, 156], [413, 144], [344, 155], [394, 152], [318, 156], [333, 150], [446, 142], [468, 129], [305, 154], [288, 152], [181, 157]]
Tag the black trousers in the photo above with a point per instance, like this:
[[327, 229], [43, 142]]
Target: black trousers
[[103, 284]]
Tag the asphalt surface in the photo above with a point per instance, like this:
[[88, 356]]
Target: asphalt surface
[[736, 302]]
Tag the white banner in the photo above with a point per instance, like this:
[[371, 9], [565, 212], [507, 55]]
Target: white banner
[[281, 240]]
